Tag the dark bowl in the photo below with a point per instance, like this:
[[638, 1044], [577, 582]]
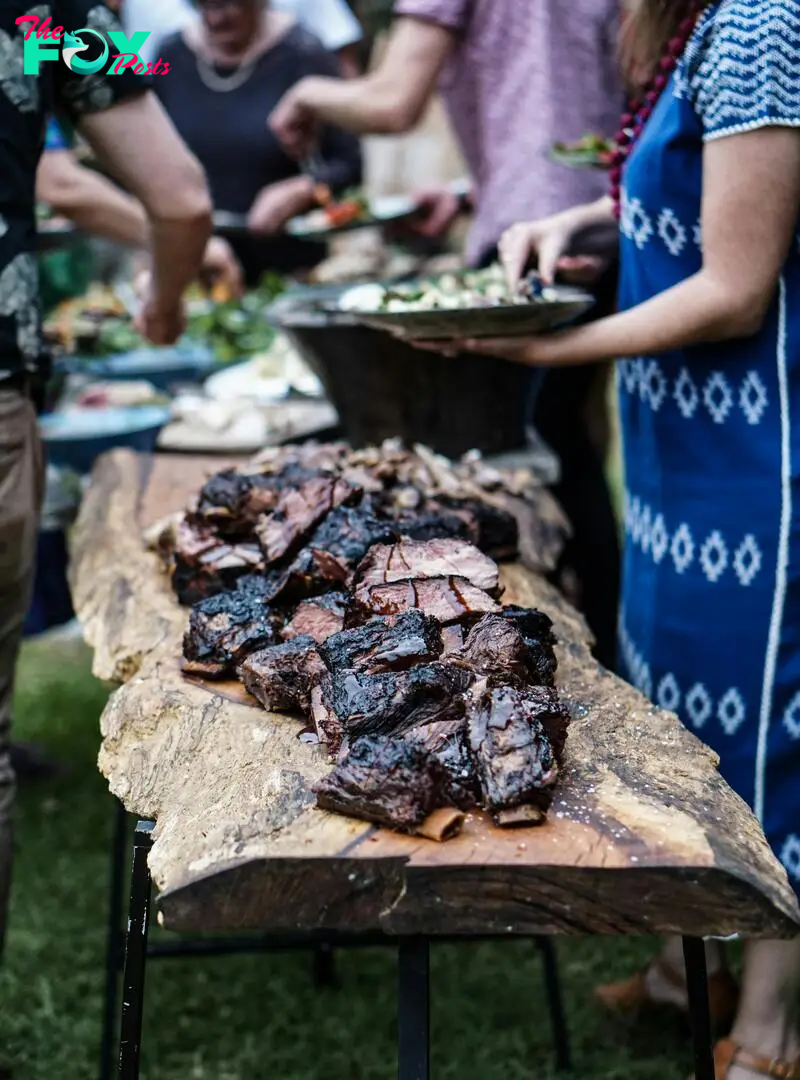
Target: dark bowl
[[384, 388]]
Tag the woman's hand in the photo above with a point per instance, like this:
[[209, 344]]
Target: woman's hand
[[294, 122], [279, 203], [221, 265]]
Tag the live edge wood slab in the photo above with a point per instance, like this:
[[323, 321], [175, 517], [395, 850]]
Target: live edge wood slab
[[644, 835]]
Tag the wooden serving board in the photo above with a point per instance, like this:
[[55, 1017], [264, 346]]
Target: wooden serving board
[[644, 836]]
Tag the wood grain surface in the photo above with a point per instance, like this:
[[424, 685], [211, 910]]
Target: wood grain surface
[[644, 836]]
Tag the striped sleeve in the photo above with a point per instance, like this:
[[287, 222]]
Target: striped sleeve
[[746, 73]]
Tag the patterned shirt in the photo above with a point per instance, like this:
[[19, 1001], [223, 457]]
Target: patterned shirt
[[526, 74], [25, 102]]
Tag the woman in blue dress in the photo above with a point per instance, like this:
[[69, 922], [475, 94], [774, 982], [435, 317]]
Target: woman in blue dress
[[709, 320]]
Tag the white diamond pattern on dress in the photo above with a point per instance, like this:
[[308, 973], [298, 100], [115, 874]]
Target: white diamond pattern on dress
[[714, 556], [753, 397], [639, 223], [659, 539], [671, 232], [686, 394], [668, 693], [731, 711], [747, 560], [790, 856], [717, 397], [638, 669], [682, 548], [791, 718], [697, 234], [653, 386], [699, 705]]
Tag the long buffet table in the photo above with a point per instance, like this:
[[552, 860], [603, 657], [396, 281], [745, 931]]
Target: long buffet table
[[644, 836]]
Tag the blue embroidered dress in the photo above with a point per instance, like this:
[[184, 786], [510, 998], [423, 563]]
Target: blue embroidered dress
[[710, 621]]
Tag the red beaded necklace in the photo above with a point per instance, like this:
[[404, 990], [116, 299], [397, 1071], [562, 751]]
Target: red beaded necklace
[[640, 109]]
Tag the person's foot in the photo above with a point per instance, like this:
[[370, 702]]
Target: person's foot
[[660, 985], [732, 1061], [30, 762]]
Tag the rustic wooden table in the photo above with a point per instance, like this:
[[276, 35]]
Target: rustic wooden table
[[644, 836]]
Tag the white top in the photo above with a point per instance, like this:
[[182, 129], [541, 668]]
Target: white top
[[331, 21]]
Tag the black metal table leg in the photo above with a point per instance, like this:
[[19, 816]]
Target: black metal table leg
[[115, 941], [555, 1003], [324, 966], [413, 1009], [135, 955], [694, 954]]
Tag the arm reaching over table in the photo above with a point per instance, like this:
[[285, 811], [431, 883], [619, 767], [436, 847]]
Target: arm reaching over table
[[389, 100], [138, 143]]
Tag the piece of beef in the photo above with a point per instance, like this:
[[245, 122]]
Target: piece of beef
[[534, 625], [448, 742], [433, 523], [413, 560], [281, 676], [328, 726], [390, 703], [452, 639], [385, 645], [349, 532], [496, 648], [230, 502], [223, 630], [494, 530], [204, 565], [318, 618], [298, 512], [313, 573], [514, 758], [446, 599], [386, 781]]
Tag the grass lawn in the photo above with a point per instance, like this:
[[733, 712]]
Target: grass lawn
[[255, 1018]]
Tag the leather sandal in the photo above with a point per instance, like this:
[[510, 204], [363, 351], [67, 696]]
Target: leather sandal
[[728, 1053], [631, 995]]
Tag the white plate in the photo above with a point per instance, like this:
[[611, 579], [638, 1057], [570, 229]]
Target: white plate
[[383, 210]]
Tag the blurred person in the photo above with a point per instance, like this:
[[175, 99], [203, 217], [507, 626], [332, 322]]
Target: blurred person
[[228, 69], [124, 124], [705, 198], [332, 21], [102, 209], [515, 77]]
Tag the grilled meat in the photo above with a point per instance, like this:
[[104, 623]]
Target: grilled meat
[[204, 565], [312, 573], [386, 781], [349, 532], [223, 630], [231, 502], [448, 742], [281, 676], [532, 624], [492, 529], [385, 645], [495, 647], [298, 512], [413, 560], [446, 599], [509, 740], [318, 618]]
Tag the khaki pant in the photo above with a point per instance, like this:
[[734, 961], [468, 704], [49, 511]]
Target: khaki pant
[[21, 490]]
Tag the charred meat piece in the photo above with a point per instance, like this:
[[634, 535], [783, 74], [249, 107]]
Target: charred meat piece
[[448, 742], [204, 565], [452, 639], [514, 757], [494, 530], [327, 724], [385, 645], [281, 677], [446, 599], [386, 781], [496, 648], [532, 624], [312, 573], [231, 502], [434, 523], [413, 560], [349, 533], [223, 630], [298, 512], [318, 618], [391, 703]]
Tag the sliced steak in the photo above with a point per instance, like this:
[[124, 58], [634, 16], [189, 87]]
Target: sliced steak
[[434, 523], [318, 618], [281, 677], [496, 648], [514, 757], [205, 565], [531, 623], [313, 573], [327, 724], [493, 529], [447, 599], [390, 703], [385, 645], [223, 630], [231, 502], [298, 512], [448, 742], [386, 781], [348, 532], [412, 560]]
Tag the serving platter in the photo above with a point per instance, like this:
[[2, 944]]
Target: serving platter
[[386, 210], [553, 307]]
